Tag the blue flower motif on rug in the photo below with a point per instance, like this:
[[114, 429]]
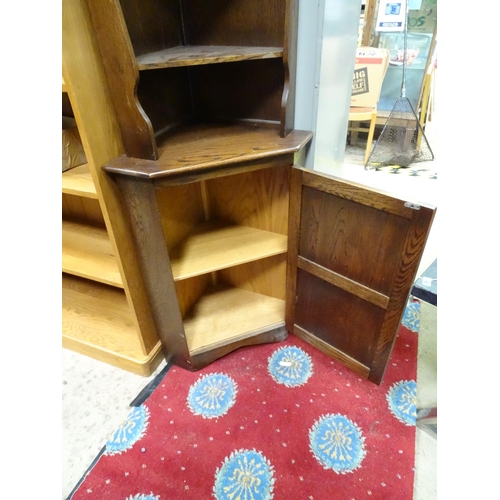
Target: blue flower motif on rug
[[245, 475], [337, 443], [144, 497], [129, 432], [290, 366], [212, 395], [411, 317], [402, 398]]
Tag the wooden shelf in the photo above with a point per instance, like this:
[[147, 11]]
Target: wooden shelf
[[200, 147], [218, 245], [78, 181], [200, 54], [87, 252], [64, 88], [97, 321], [225, 315]]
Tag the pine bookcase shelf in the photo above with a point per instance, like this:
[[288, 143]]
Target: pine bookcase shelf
[[87, 252], [105, 312], [199, 54], [78, 181], [97, 321]]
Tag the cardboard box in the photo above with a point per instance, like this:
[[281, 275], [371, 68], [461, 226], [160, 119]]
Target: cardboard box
[[369, 71]]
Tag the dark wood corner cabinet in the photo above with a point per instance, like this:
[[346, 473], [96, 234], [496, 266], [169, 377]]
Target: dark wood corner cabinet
[[237, 244]]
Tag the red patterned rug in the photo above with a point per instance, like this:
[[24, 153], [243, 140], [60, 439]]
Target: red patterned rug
[[280, 421]]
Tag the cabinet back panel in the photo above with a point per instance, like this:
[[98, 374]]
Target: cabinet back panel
[[235, 22], [153, 24], [190, 290], [231, 91], [181, 210], [79, 209], [256, 199], [353, 245], [265, 276], [166, 97]]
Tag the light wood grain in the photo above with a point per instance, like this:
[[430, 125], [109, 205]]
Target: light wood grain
[[80, 208], [181, 211], [200, 54], [225, 315], [64, 89], [97, 321], [217, 245], [87, 252], [92, 102], [265, 276], [257, 199], [78, 181]]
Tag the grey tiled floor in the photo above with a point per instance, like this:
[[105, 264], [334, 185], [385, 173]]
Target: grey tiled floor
[[96, 396]]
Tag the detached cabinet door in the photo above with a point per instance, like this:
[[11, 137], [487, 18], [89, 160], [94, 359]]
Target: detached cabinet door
[[353, 254]]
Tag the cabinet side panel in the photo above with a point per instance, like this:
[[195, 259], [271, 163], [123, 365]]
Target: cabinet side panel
[[257, 199], [238, 22], [181, 211], [190, 290], [165, 95]]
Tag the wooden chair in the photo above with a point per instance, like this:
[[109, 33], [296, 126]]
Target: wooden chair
[[369, 72]]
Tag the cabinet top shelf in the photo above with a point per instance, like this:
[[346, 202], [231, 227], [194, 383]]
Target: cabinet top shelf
[[201, 54], [198, 148]]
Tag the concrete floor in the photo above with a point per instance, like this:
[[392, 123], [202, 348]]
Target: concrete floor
[[96, 396]]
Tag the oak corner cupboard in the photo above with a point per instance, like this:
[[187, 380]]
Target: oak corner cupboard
[[232, 241]]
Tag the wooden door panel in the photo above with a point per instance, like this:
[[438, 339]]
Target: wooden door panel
[[352, 258], [352, 244], [320, 305]]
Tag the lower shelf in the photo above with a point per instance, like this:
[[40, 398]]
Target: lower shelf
[[226, 315], [97, 322]]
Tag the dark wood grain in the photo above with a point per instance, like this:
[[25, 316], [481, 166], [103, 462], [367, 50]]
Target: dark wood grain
[[165, 95], [123, 75], [252, 42], [153, 25], [360, 194], [201, 54], [357, 251], [339, 318], [331, 351], [141, 207], [404, 278], [346, 237], [233, 91], [190, 150], [294, 213], [235, 22], [201, 360], [347, 284]]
